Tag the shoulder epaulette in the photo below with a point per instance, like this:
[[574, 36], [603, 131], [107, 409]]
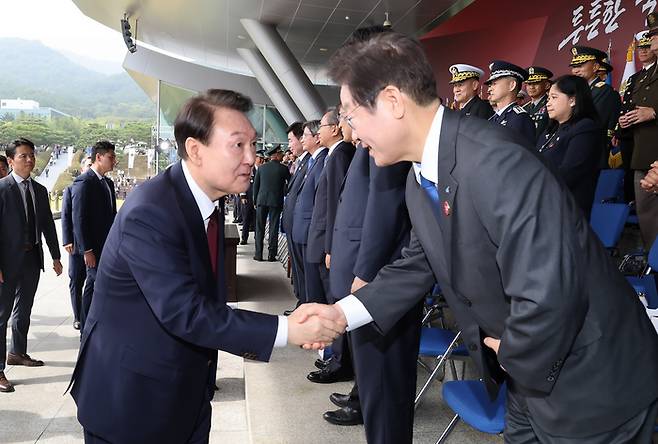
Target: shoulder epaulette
[[517, 109], [601, 84]]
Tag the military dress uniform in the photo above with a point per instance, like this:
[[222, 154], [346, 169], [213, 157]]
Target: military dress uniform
[[512, 116], [606, 100], [645, 141], [475, 106], [537, 111]]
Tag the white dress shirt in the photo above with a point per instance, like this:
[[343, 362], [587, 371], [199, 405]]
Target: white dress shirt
[[206, 208], [355, 312]]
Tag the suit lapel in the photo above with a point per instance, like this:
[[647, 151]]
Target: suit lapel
[[193, 219], [447, 185], [18, 201]]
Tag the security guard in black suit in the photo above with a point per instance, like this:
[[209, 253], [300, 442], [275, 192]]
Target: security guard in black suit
[[504, 84], [537, 86], [465, 87], [586, 62], [269, 188]]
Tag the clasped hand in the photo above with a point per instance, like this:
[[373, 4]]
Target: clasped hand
[[315, 326]]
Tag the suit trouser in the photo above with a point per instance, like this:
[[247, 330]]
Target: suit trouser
[[341, 355], [87, 294], [248, 215], [16, 300], [646, 205], [299, 278], [315, 283], [386, 371], [77, 276], [262, 212], [521, 429]]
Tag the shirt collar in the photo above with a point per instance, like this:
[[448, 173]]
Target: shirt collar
[[333, 147], [302, 156], [203, 202], [649, 66], [18, 178], [429, 165], [535, 102], [317, 152], [97, 173], [501, 111], [467, 102]]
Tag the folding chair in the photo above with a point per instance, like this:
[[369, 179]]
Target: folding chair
[[607, 220], [645, 283], [442, 345], [470, 402]]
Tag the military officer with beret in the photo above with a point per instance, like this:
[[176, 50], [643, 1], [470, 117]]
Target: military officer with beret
[[465, 87], [585, 63], [642, 121], [537, 87], [504, 84]]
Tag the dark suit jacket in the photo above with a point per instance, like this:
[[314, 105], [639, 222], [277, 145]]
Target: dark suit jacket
[[66, 216], [574, 151], [306, 200], [148, 352], [290, 199], [372, 224], [645, 135], [270, 184], [539, 115], [13, 221], [326, 201], [93, 212], [478, 108], [516, 260]]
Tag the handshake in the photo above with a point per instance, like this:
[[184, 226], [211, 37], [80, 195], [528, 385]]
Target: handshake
[[315, 326]]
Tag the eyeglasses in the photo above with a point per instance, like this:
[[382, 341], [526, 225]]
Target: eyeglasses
[[348, 117], [327, 124]]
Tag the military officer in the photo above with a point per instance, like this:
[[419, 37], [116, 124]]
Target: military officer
[[537, 86], [504, 83], [465, 87], [586, 62], [642, 121]]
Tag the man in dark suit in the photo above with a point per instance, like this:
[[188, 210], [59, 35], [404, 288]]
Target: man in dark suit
[[539, 302], [318, 248], [147, 363], [295, 132], [537, 86], [585, 63], [269, 188], [466, 88], [94, 208], [248, 211], [25, 216], [503, 85], [77, 269], [304, 207]]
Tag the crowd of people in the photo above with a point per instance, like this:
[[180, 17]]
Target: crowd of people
[[388, 195]]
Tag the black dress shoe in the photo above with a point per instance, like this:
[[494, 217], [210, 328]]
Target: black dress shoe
[[243, 242], [271, 259], [327, 376], [345, 416], [259, 259], [322, 363], [344, 401]]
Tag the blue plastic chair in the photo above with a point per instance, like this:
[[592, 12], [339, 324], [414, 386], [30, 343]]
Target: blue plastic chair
[[610, 186], [607, 221], [471, 403], [440, 344]]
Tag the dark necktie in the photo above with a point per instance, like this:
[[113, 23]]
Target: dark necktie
[[213, 239], [430, 189], [31, 235]]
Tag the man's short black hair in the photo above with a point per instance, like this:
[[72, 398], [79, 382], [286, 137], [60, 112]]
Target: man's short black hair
[[11, 148], [389, 58], [3, 159], [101, 147], [197, 117], [296, 128]]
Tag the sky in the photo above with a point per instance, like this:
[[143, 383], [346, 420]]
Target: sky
[[60, 25]]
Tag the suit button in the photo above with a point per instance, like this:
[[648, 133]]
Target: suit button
[[550, 378], [472, 347]]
